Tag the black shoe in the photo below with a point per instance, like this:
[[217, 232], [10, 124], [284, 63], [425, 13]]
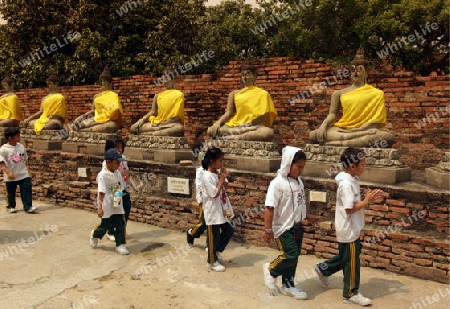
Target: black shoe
[[189, 238]]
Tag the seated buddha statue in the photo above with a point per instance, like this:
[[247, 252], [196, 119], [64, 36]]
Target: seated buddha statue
[[53, 110], [106, 116], [363, 113], [166, 117], [10, 111], [250, 112]]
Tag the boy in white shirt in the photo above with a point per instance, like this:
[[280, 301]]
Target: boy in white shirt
[[200, 227], [15, 173], [110, 202], [349, 221], [285, 210]]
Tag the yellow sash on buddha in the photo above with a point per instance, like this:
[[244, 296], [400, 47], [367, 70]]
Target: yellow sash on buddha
[[361, 106], [107, 107], [251, 103], [170, 104], [10, 108], [52, 105]]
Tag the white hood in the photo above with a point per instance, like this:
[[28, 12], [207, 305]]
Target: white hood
[[287, 154]]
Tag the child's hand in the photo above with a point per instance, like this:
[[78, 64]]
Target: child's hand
[[100, 212], [267, 237], [373, 195], [223, 173], [11, 176]]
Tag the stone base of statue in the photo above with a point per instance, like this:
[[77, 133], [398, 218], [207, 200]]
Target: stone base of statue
[[166, 149], [383, 165], [89, 143], [439, 176], [253, 156], [47, 140]]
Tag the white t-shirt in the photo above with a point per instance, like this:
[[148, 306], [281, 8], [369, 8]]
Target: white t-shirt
[[123, 169], [14, 158], [108, 183], [348, 227], [287, 196], [198, 184], [213, 207]]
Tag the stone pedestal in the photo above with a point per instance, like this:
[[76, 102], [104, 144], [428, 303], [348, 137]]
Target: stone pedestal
[[166, 149], [439, 176], [47, 140], [89, 143], [383, 165], [261, 157]]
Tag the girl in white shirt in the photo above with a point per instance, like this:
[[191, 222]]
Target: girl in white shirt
[[216, 207]]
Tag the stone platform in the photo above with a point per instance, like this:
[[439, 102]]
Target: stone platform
[[47, 140], [166, 149], [89, 143], [383, 165], [439, 176], [253, 156]]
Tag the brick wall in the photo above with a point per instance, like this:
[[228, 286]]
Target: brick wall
[[409, 99], [396, 237]]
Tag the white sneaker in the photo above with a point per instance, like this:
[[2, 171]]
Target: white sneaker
[[93, 241], [12, 210], [269, 281], [323, 279], [294, 292], [110, 237], [216, 266], [122, 249], [32, 210], [358, 299]]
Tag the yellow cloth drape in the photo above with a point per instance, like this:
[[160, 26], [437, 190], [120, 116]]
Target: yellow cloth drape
[[251, 103], [170, 104], [52, 105], [108, 107], [361, 106], [10, 108]]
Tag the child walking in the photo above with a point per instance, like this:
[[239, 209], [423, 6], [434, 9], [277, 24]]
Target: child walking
[[15, 173], [200, 227], [216, 207], [285, 210], [110, 204], [349, 221], [125, 172]]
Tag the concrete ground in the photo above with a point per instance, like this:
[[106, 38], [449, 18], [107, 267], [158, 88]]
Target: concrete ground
[[46, 263]]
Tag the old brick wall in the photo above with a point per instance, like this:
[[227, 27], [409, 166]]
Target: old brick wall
[[396, 238], [418, 106]]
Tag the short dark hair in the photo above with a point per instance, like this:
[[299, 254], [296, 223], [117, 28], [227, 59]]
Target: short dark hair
[[11, 132], [120, 142], [299, 155], [109, 144], [352, 155], [212, 154]]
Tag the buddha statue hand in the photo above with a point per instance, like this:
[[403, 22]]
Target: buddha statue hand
[[213, 131], [321, 134]]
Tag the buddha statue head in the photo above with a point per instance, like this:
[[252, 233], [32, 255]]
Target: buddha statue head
[[358, 70], [8, 83], [105, 79], [169, 83], [248, 75], [52, 82]]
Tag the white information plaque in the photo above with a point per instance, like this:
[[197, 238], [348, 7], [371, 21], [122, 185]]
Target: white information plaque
[[178, 185]]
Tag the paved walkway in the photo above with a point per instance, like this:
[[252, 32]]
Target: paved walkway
[[55, 268]]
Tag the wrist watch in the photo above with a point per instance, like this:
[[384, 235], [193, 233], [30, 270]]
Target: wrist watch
[[268, 231]]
